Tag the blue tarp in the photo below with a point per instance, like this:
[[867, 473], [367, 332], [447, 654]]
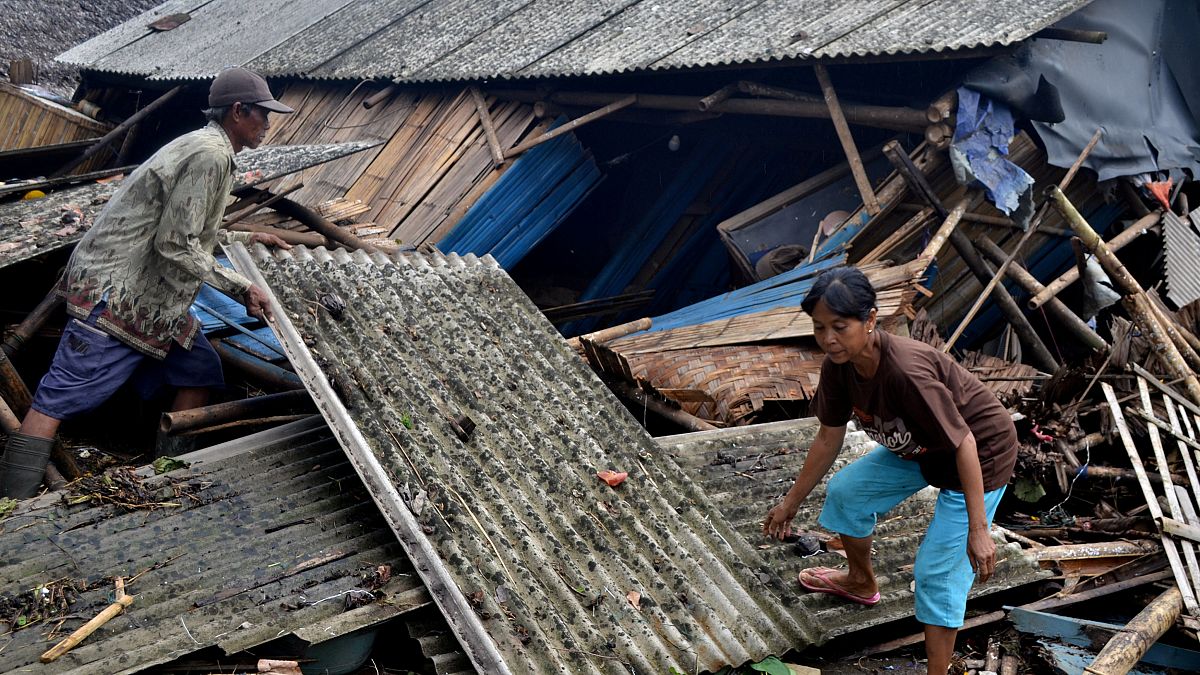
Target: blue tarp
[[981, 136]]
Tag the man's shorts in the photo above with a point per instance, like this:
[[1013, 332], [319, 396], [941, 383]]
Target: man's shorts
[[90, 365], [875, 483]]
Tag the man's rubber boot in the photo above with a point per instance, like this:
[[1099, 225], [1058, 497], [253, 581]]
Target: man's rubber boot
[[23, 464]]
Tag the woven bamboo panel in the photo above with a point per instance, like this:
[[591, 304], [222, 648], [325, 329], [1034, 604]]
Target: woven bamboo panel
[[738, 379], [27, 121], [433, 164]]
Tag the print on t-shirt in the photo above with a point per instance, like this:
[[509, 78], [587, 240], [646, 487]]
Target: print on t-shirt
[[891, 434]]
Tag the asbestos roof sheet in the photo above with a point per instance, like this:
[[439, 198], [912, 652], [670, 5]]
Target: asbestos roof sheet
[[443, 40], [258, 532], [29, 228], [529, 555]]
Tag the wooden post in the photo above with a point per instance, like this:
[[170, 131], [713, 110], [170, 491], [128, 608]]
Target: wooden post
[[1143, 225], [489, 128], [1059, 312], [572, 125], [32, 323], [1133, 297], [180, 421], [81, 633], [121, 128], [21, 71], [1128, 646], [847, 140]]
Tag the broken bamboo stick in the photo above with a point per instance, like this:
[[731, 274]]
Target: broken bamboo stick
[[1128, 645], [1061, 314], [122, 601], [32, 323], [1133, 297], [379, 97], [309, 239], [938, 240], [8, 420], [181, 421], [847, 140], [572, 125], [318, 223], [489, 128], [1140, 227], [681, 417]]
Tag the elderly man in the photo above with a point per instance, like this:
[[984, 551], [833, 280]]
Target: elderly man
[[131, 280]]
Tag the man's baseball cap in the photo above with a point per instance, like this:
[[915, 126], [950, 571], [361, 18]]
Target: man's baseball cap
[[238, 85]]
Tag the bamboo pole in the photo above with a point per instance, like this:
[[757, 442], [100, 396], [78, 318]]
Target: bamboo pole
[[179, 421], [1029, 232], [847, 140], [32, 323], [681, 417], [719, 95], [379, 97], [489, 128], [12, 387], [1129, 645], [320, 224], [971, 258], [1061, 314], [1133, 297], [309, 239], [943, 233], [122, 601], [121, 128], [572, 125], [1140, 227]]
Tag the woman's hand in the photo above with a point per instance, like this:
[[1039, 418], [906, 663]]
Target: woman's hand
[[778, 524], [981, 550]]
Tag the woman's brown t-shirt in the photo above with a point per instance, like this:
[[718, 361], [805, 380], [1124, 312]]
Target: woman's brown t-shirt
[[920, 405]]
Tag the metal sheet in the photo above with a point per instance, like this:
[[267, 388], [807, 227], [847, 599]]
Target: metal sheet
[[1181, 249], [526, 551], [441, 40], [269, 522]]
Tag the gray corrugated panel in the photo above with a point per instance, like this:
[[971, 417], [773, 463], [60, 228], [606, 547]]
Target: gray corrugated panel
[[527, 552], [746, 470], [1181, 247], [356, 23], [31, 228], [441, 40], [513, 525], [131, 31], [421, 37], [252, 552]]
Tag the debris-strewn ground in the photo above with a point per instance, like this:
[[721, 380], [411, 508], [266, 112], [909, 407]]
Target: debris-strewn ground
[[43, 29]]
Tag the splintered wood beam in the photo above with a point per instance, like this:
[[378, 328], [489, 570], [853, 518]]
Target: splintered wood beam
[[1129, 644], [572, 125], [843, 132], [489, 128], [1140, 227]]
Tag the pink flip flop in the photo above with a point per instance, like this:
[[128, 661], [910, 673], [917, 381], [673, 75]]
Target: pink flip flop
[[828, 586]]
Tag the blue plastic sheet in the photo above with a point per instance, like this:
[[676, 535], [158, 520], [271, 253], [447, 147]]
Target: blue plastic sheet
[[978, 154]]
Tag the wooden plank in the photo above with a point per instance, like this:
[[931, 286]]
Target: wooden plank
[[1178, 528], [1181, 576], [870, 203], [489, 130], [1189, 465]]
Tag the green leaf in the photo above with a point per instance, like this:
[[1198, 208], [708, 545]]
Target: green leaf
[[1028, 490], [165, 464], [6, 506], [771, 666], [22, 621], [406, 420]]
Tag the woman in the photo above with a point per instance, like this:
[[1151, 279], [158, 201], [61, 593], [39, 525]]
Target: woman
[[936, 425]]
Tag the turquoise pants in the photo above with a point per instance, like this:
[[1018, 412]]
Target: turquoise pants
[[874, 484]]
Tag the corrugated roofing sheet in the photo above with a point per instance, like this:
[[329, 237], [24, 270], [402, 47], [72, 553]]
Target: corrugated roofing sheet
[[1181, 248], [527, 553], [443, 40], [29, 228], [265, 529]]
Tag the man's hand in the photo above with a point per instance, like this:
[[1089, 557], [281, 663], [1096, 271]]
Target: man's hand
[[981, 550], [268, 239], [778, 524], [256, 302]]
